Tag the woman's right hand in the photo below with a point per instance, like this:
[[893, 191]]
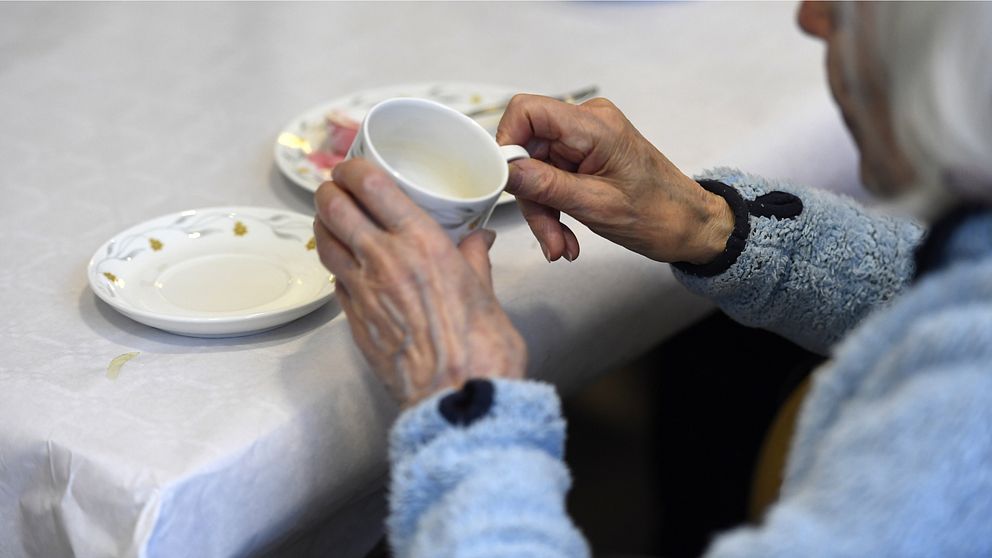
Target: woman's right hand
[[591, 163]]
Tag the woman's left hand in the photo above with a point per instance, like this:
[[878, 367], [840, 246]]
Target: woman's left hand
[[421, 310]]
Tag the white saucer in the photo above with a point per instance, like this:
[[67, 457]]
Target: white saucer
[[307, 131], [213, 272]]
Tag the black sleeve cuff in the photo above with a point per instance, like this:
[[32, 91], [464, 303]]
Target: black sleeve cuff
[[737, 240], [468, 404]]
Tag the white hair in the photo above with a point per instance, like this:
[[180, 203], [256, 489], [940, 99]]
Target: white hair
[[937, 61]]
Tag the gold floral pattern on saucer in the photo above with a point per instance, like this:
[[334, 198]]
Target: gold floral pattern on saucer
[[201, 273]]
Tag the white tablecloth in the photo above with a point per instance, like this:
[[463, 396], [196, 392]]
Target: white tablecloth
[[113, 114]]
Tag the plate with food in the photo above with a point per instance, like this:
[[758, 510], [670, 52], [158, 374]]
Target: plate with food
[[311, 144], [213, 272]]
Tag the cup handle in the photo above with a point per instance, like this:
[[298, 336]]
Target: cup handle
[[513, 152]]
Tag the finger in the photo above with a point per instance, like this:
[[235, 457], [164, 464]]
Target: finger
[[343, 219], [377, 193], [571, 243], [514, 126], [547, 185], [333, 254], [539, 149], [562, 162], [475, 248], [543, 222], [533, 116]]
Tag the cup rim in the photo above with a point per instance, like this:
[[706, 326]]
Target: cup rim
[[476, 127]]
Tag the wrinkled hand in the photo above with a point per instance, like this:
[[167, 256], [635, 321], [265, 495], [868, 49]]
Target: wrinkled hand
[[421, 310], [591, 163]]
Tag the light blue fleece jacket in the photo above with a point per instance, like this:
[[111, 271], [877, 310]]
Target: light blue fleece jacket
[[893, 450]]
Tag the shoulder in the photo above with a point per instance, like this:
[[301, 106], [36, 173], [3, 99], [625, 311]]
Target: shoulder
[[907, 360], [945, 319], [892, 451]]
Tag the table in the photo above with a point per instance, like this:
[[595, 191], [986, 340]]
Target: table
[[274, 444]]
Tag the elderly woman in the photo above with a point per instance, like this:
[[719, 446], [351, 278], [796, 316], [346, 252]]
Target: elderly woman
[[893, 450]]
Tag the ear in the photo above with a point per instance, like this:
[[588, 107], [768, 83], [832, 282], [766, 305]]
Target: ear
[[816, 18]]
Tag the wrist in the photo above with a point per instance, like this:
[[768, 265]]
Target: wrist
[[714, 230], [733, 244], [506, 359], [708, 226]]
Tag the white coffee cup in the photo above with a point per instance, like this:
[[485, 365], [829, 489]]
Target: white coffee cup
[[444, 161]]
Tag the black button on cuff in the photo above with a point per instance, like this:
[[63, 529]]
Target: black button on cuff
[[781, 205], [468, 404]]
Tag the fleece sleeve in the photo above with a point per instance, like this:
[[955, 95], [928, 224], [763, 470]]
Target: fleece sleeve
[[803, 263], [895, 463], [478, 473]]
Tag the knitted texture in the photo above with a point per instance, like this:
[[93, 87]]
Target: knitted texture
[[814, 277], [493, 488], [892, 450]]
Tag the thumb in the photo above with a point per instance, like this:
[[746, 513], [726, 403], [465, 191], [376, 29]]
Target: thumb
[[475, 249], [543, 192], [545, 184]]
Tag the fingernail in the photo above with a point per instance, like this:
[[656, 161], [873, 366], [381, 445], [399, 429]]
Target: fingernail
[[547, 254], [489, 236], [567, 256]]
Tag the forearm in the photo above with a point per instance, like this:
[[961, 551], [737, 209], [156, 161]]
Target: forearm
[[807, 264], [481, 469]]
